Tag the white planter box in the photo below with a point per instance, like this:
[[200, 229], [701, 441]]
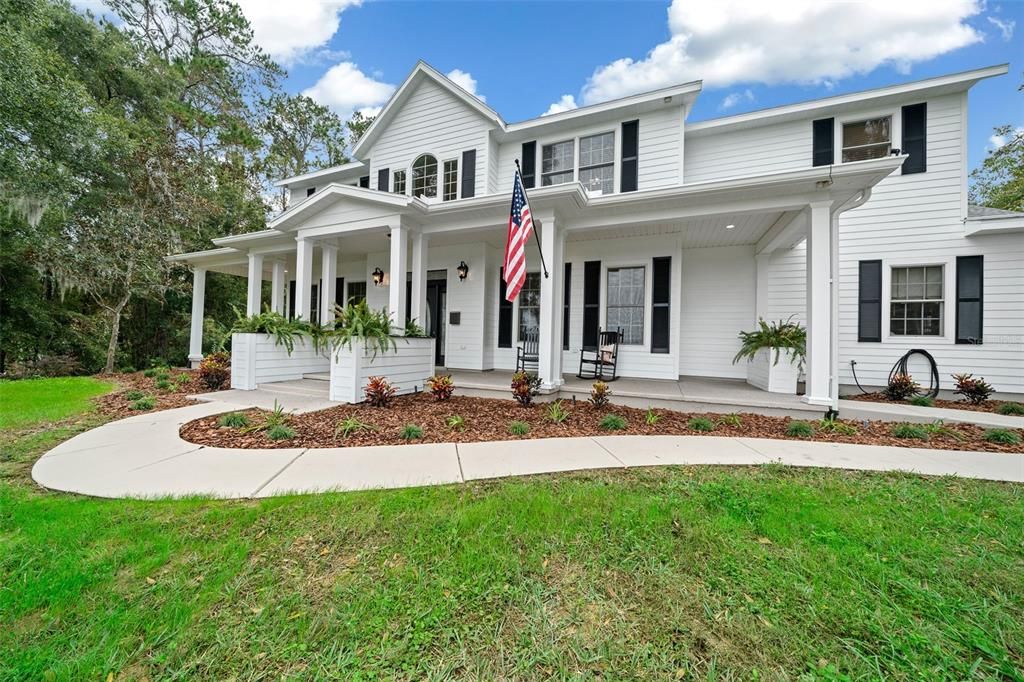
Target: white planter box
[[774, 378], [407, 368], [256, 359]]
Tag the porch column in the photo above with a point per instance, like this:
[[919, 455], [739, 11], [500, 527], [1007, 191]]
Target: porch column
[[819, 309], [195, 338], [303, 278], [277, 288], [549, 366], [328, 273], [255, 292], [419, 278], [396, 283]]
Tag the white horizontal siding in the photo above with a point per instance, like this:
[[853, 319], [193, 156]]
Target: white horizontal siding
[[407, 368], [754, 151], [256, 359]]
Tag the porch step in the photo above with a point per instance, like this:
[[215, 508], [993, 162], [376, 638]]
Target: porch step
[[305, 388], [317, 376]]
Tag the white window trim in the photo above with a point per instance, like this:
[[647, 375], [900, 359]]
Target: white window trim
[[948, 288], [603, 315], [895, 129], [409, 175], [616, 158], [406, 171], [458, 177]]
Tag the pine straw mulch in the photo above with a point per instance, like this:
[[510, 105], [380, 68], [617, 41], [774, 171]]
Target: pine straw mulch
[[116, 404], [987, 406], [488, 419]]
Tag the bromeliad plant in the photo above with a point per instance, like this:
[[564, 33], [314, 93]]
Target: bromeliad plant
[[524, 387], [441, 386], [780, 336], [379, 392]]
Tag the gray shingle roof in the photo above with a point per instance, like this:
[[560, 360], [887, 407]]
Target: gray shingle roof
[[975, 211]]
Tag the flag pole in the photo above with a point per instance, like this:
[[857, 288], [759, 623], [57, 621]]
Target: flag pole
[[543, 265]]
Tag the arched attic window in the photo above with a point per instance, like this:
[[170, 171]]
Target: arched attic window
[[424, 176]]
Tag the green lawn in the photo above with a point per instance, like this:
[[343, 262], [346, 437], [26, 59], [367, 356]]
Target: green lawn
[[31, 401], [703, 573]]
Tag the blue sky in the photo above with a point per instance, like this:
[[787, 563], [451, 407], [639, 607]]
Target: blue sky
[[524, 56]]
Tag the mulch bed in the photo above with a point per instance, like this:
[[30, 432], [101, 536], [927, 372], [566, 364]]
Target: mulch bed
[[116, 404], [488, 419], [987, 406]]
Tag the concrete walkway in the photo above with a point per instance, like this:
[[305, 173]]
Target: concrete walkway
[[143, 456]]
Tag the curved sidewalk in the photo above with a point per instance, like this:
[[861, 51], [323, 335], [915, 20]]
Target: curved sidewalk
[[143, 456]]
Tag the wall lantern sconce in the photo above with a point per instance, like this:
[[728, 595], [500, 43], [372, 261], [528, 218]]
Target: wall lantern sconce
[[378, 277], [463, 271]]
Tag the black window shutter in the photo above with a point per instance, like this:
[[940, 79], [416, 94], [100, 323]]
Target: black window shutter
[[529, 164], [291, 299], [364, 181], [566, 296], [591, 302], [310, 191], [383, 176], [504, 314], [869, 301], [915, 143], [468, 173], [824, 141], [970, 271], [314, 303], [339, 291], [661, 289], [630, 169]]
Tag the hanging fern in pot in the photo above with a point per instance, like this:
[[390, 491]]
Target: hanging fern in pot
[[782, 336]]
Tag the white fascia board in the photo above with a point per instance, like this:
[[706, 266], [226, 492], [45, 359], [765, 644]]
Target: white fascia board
[[208, 257], [993, 225], [351, 167], [955, 82], [390, 200]]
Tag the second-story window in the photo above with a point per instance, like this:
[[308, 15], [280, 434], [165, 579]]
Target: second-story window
[[424, 176], [597, 162], [399, 183], [450, 189], [556, 164], [870, 139]]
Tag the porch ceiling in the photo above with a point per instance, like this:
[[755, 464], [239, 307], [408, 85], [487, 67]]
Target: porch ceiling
[[748, 228]]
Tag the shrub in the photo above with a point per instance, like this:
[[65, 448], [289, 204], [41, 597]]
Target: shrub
[[215, 370], [556, 412], [147, 403], [149, 373], [163, 375], [379, 392], [600, 393], [909, 431], [127, 369], [922, 401], [524, 387], [182, 379], [280, 432], [974, 391], [233, 420], [455, 423], [700, 424], [1011, 409], [518, 428], [134, 394], [346, 427], [410, 432], [732, 420], [1002, 436], [799, 429], [651, 418], [162, 384], [833, 425], [441, 386], [613, 422], [901, 387]]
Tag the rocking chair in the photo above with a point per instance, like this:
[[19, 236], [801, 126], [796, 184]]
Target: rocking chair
[[528, 351], [601, 362]]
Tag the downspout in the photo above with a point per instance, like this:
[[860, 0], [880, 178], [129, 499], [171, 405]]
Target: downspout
[[833, 384]]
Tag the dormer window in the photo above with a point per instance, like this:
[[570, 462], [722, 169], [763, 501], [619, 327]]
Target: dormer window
[[870, 139], [424, 176]]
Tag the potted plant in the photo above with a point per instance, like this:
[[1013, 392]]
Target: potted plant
[[775, 355], [270, 347]]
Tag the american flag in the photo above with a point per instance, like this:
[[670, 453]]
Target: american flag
[[520, 227]]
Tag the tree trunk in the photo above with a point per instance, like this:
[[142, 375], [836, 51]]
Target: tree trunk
[[115, 329]]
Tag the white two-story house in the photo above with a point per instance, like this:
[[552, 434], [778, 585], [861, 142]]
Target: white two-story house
[[848, 213]]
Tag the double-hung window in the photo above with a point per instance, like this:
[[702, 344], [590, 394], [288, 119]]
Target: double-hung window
[[597, 162], [556, 163], [870, 139], [450, 189], [356, 292], [529, 305], [399, 184], [625, 304], [916, 301]]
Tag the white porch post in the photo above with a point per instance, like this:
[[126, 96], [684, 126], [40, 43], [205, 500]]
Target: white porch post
[[419, 278], [396, 282], [255, 292], [328, 273], [195, 339], [277, 288], [819, 304], [303, 278], [549, 366]]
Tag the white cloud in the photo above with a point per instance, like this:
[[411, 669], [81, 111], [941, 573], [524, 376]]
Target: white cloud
[[565, 103], [344, 88], [465, 80], [734, 98], [1005, 26], [996, 141], [291, 31], [724, 42]]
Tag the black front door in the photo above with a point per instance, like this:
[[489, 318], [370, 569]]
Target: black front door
[[437, 313]]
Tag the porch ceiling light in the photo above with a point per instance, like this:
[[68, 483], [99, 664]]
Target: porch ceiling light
[[729, 226], [378, 277], [463, 271]]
